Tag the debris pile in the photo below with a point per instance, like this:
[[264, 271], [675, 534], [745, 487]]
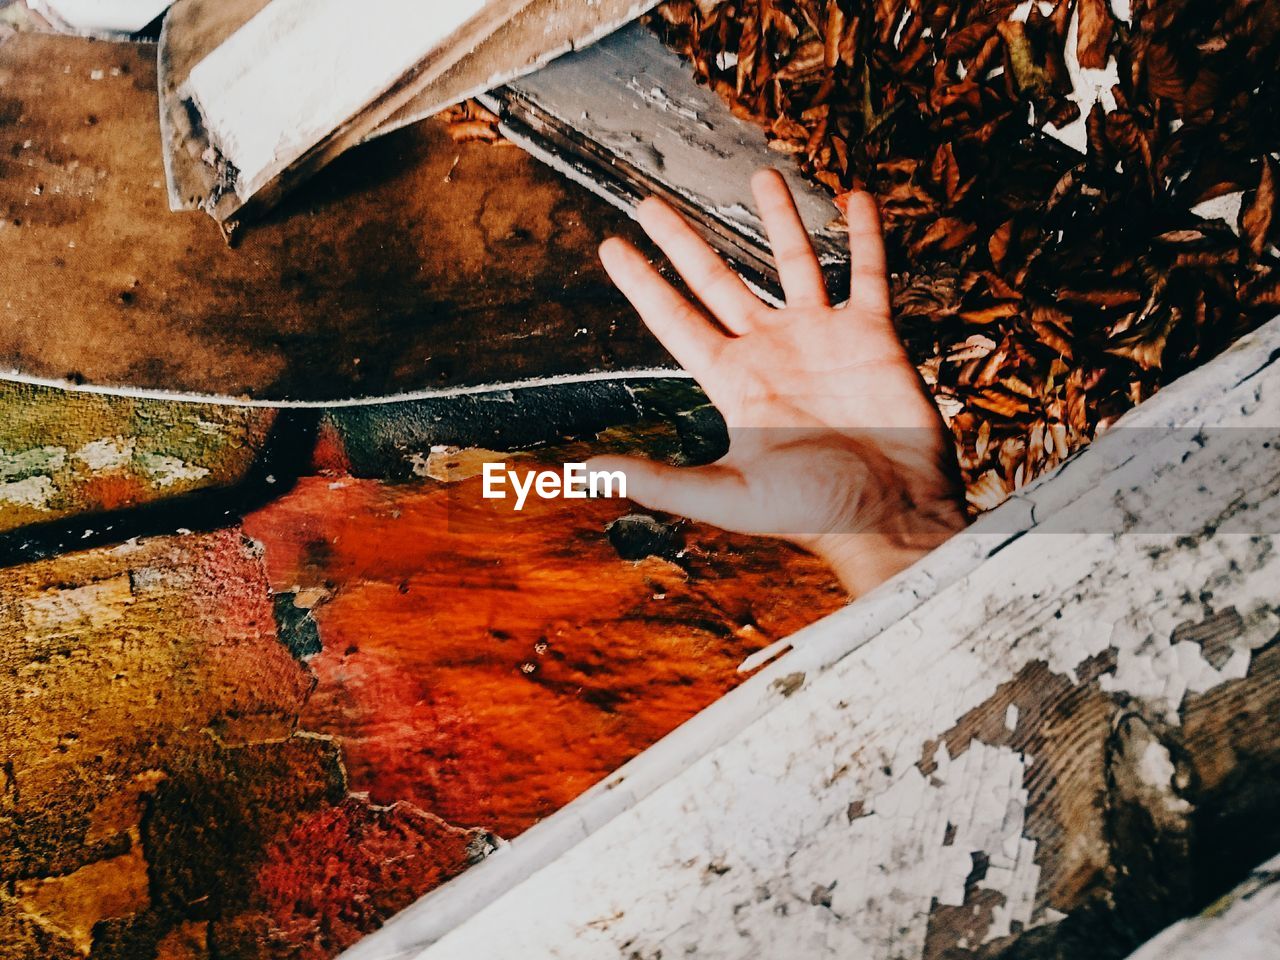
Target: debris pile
[[1079, 197]]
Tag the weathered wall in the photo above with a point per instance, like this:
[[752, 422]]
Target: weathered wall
[[264, 739]]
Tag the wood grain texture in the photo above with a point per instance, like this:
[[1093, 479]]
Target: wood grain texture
[[626, 119], [412, 264]]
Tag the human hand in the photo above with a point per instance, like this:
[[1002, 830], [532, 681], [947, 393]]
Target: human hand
[[834, 443]]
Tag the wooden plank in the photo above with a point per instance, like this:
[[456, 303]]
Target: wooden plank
[[626, 119], [1026, 744], [102, 17], [414, 266], [298, 83], [537, 32]]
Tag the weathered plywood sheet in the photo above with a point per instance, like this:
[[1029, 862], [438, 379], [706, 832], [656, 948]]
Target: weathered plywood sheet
[[289, 76], [299, 82], [626, 119], [269, 121], [1051, 736], [413, 265], [530, 36]]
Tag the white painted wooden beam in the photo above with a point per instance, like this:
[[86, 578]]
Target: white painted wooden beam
[[300, 69], [258, 94], [625, 119]]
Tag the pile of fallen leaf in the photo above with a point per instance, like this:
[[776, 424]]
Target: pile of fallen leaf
[[1042, 290]]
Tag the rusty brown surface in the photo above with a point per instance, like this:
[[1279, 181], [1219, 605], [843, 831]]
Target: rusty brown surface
[[413, 263]]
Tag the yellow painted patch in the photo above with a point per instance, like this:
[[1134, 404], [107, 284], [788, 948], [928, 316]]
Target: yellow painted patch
[[100, 891]]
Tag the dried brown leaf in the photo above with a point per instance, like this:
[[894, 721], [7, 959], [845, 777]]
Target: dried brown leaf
[[1096, 26], [1258, 219]]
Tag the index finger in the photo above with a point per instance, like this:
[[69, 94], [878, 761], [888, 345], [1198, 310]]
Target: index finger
[[686, 334]]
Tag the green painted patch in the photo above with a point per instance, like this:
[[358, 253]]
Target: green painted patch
[[64, 453]]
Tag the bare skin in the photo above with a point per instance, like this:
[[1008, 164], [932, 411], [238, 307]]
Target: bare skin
[[834, 442]]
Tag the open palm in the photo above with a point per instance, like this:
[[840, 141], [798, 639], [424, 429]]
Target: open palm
[[834, 442]]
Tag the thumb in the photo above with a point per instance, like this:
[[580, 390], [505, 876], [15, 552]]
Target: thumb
[[712, 494]]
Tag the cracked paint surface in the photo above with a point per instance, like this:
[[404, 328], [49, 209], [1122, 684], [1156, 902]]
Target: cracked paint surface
[[267, 739], [159, 792], [67, 454]]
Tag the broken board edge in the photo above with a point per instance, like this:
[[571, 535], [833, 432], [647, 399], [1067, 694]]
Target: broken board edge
[[470, 79], [408, 396], [570, 138], [226, 199]]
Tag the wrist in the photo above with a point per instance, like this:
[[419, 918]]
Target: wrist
[[865, 559]]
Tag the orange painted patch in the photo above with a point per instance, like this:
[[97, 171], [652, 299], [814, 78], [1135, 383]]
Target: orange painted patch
[[490, 666], [114, 491]]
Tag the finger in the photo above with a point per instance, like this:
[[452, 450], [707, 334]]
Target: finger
[[798, 268], [708, 494], [722, 290], [869, 281], [686, 334]]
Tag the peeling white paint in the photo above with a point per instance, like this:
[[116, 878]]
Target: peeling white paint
[[680, 134], [165, 471], [33, 492], [724, 860], [23, 463], [758, 845], [112, 453]]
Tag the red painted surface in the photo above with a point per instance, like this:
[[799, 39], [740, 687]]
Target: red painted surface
[[490, 666], [341, 871]]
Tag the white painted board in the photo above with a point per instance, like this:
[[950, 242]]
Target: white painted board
[[300, 69], [1245, 925]]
